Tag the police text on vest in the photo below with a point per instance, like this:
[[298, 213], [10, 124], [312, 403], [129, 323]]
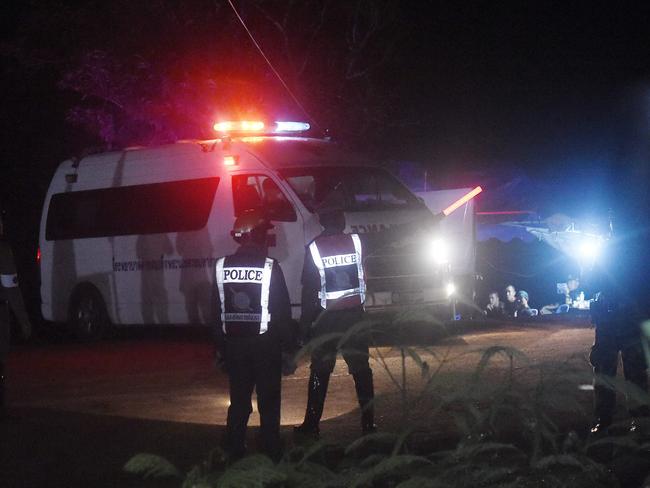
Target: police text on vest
[[243, 275], [340, 260]]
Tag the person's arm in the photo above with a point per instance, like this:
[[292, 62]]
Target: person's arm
[[217, 330], [280, 308], [310, 307]]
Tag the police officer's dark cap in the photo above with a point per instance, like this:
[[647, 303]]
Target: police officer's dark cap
[[249, 221]]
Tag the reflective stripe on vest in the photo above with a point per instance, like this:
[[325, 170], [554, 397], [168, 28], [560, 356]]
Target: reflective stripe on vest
[[249, 275], [323, 263], [222, 294], [362, 281], [9, 280]]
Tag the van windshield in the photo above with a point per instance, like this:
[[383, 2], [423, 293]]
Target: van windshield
[[358, 188]]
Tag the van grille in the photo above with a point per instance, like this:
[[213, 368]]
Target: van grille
[[398, 272]]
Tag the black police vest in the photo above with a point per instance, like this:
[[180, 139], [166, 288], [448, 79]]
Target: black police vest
[[338, 259], [244, 293]]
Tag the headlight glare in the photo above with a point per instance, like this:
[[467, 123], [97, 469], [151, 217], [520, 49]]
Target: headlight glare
[[438, 251], [450, 289]]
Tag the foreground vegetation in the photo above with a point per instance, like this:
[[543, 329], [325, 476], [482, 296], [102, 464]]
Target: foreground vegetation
[[510, 423]]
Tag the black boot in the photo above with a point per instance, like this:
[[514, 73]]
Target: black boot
[[604, 406], [640, 423], [366, 393], [600, 426], [316, 394]]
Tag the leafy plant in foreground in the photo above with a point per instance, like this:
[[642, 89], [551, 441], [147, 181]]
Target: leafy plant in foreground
[[508, 416]]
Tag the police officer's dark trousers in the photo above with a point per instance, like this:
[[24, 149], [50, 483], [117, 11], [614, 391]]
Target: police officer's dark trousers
[[5, 332], [609, 340], [356, 355], [254, 362]]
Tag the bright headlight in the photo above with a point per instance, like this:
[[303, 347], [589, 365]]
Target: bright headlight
[[589, 250], [451, 289], [438, 251]]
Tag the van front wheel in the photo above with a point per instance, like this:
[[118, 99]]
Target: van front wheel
[[88, 318]]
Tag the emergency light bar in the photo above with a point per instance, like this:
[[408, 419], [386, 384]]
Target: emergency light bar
[[462, 200], [239, 126], [259, 127], [291, 126]]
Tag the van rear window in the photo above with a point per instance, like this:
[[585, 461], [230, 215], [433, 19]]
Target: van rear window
[[176, 206]]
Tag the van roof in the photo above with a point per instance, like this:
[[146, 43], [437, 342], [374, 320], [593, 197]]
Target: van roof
[[275, 152], [288, 152]]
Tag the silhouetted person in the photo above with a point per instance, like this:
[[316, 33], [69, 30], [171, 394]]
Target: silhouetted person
[[510, 303], [494, 308], [10, 300], [522, 307], [570, 296], [276, 205], [617, 318], [152, 249], [195, 282]]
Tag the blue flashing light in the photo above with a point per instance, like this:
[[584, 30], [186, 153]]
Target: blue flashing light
[[286, 126]]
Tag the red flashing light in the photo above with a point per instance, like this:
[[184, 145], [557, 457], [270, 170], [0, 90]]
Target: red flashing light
[[239, 126], [259, 127], [230, 160], [38, 255]]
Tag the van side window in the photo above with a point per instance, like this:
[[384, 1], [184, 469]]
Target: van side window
[[175, 206], [259, 192]]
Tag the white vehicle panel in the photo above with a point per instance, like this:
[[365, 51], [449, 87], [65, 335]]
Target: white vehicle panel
[[168, 277]]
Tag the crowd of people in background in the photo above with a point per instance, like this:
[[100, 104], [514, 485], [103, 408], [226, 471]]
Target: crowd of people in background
[[516, 303]]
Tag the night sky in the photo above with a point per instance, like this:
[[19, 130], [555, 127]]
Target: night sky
[[558, 90]]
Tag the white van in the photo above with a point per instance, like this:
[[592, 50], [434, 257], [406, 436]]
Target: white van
[[132, 236]]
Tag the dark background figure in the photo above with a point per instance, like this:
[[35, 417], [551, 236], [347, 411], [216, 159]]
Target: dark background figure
[[153, 290], [510, 303], [494, 308], [195, 282], [568, 294], [534, 266], [11, 300], [249, 345], [573, 290], [617, 313]]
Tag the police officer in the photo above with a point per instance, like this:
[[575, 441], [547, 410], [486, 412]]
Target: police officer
[[252, 333], [333, 294], [617, 315], [10, 300]]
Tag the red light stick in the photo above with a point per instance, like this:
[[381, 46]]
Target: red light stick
[[462, 200]]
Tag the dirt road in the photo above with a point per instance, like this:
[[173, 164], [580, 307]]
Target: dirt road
[[78, 412]]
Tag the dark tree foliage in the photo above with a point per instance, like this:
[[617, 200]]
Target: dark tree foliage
[[158, 71]]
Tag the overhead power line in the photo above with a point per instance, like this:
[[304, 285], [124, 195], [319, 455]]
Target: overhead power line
[[259, 48]]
